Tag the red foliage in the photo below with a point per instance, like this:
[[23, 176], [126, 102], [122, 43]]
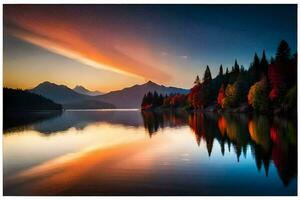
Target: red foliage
[[274, 94], [146, 106], [178, 99], [194, 97], [221, 95], [276, 77], [222, 124], [274, 135], [196, 123]]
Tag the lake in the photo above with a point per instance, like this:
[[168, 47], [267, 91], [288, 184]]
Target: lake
[[129, 152]]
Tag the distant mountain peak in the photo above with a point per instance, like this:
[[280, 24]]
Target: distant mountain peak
[[78, 87], [131, 97], [67, 97], [150, 83], [82, 90], [46, 83]]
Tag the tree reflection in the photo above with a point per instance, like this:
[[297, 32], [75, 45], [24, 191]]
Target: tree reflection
[[284, 152], [269, 139], [155, 120]]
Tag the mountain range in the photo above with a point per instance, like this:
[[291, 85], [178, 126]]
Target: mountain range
[[130, 97], [82, 90], [67, 97]]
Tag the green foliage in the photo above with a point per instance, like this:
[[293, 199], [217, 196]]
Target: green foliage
[[233, 88], [258, 96], [230, 99], [290, 100], [242, 85]]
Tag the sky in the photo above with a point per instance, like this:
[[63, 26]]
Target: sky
[[109, 47]]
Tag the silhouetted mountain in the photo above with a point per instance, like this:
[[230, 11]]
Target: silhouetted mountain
[[131, 97], [20, 100], [67, 97], [82, 90], [58, 93]]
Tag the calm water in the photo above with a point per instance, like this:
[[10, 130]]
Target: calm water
[[134, 153]]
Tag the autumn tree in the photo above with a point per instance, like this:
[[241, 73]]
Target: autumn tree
[[277, 82], [279, 73], [242, 85], [230, 99], [290, 100], [221, 95], [258, 96], [194, 97]]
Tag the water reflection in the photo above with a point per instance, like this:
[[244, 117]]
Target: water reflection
[[17, 121], [151, 153], [59, 122], [269, 139]]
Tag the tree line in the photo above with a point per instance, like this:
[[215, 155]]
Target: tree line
[[22, 100], [268, 85]]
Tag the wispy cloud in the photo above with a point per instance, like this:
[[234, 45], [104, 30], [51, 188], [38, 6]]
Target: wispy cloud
[[184, 57], [64, 35]]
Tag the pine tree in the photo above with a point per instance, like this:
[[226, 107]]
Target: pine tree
[[283, 53], [197, 81], [207, 75], [161, 100], [255, 68], [221, 70], [272, 60], [144, 100], [264, 65], [236, 67], [155, 99], [242, 68], [149, 98], [206, 95]]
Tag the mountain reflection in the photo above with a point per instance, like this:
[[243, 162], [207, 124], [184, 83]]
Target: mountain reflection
[[270, 139], [73, 119]]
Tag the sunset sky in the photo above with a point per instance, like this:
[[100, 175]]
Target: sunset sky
[[105, 47]]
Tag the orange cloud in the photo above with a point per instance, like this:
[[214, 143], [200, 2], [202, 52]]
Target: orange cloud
[[80, 39]]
